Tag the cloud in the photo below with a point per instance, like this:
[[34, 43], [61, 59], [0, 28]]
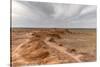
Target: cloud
[[42, 14]]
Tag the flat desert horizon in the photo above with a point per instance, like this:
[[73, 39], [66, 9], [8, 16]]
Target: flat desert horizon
[[39, 46]]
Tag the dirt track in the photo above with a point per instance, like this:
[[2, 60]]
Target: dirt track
[[52, 46]]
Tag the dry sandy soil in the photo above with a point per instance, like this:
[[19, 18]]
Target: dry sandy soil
[[52, 46]]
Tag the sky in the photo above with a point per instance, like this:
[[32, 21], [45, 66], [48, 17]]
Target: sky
[[30, 14]]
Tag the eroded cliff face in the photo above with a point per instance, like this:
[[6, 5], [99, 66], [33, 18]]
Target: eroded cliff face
[[52, 46]]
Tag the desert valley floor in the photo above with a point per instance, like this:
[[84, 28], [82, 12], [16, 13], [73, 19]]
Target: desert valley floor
[[34, 46]]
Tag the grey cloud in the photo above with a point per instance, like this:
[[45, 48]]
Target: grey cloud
[[42, 14]]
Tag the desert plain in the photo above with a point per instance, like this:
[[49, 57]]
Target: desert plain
[[39, 46]]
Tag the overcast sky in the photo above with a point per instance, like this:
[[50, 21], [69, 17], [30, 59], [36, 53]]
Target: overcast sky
[[30, 14]]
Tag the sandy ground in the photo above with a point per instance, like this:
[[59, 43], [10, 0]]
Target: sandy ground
[[52, 46]]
